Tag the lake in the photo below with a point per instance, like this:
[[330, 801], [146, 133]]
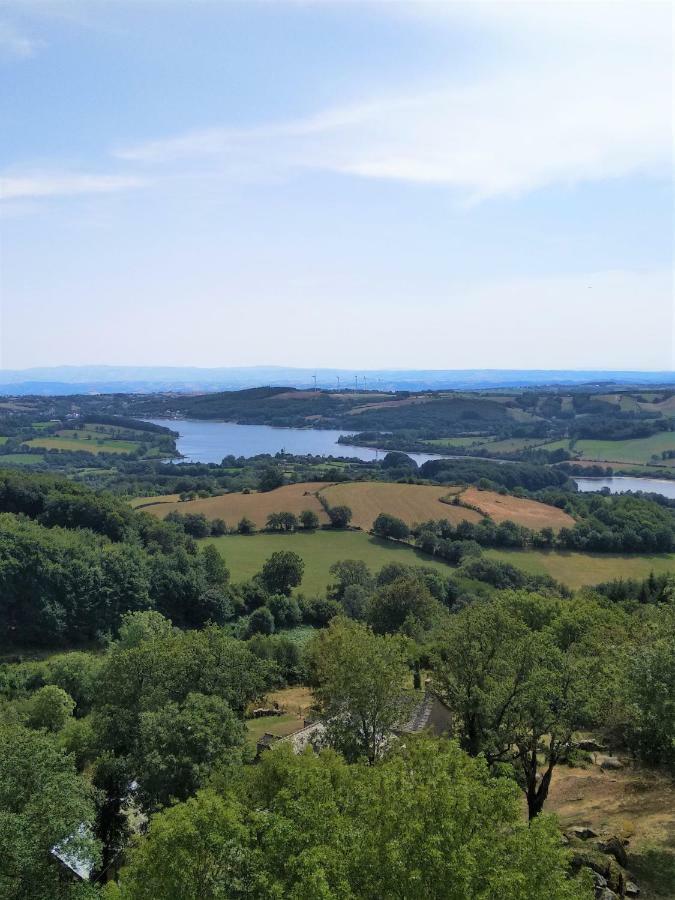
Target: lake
[[620, 484], [209, 442]]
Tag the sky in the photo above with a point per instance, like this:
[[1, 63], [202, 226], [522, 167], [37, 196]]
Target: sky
[[350, 184]]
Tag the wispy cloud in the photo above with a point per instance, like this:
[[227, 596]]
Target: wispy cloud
[[32, 186], [15, 45], [585, 95]]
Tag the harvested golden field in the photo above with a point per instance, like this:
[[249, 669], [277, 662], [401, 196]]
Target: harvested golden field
[[410, 502], [366, 499], [256, 506], [142, 502], [529, 513]]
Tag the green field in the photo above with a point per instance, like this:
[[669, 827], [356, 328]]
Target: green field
[[578, 569], [638, 450], [245, 554], [3, 440], [283, 725], [104, 432], [456, 441], [97, 445], [21, 459], [510, 445]]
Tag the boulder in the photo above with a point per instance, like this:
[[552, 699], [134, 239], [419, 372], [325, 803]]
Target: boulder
[[589, 745], [583, 832], [610, 762], [613, 846], [631, 889], [598, 863], [606, 894]]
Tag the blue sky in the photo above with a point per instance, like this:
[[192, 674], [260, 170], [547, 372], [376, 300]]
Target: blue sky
[[438, 185]]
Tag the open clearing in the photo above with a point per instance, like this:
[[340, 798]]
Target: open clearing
[[295, 703], [579, 569], [638, 450], [98, 445], [21, 459], [410, 502], [255, 506], [509, 445], [632, 803], [529, 513], [456, 441], [245, 554]]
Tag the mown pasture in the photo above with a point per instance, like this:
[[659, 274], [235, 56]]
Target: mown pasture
[[245, 554], [635, 450], [579, 569], [21, 459], [83, 445]]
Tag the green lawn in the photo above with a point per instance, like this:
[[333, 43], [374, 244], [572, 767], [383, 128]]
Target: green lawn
[[245, 554], [578, 569], [638, 450], [21, 459], [288, 723]]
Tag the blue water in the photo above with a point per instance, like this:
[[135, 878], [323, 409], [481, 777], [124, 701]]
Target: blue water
[[619, 484], [209, 442]]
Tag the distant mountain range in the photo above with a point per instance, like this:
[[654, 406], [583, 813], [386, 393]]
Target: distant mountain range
[[63, 380]]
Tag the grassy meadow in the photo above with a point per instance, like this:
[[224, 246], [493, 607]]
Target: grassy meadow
[[245, 554], [579, 569], [83, 445], [637, 450], [21, 459]]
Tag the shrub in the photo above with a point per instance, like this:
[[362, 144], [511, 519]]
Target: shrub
[[388, 526], [261, 621], [245, 526], [340, 516], [309, 519]]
